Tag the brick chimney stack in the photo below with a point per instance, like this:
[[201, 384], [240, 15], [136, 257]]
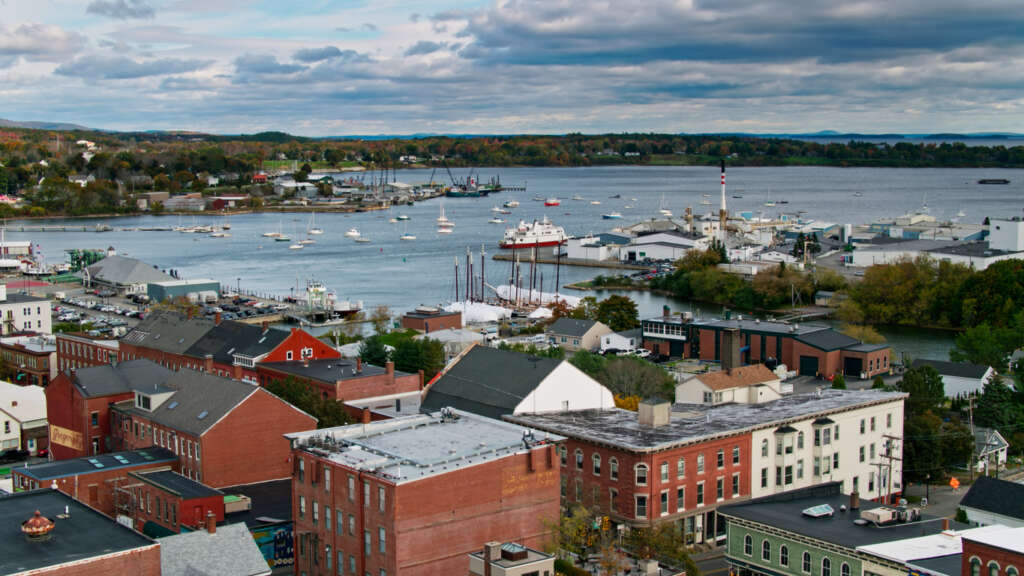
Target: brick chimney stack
[[391, 370], [216, 319], [359, 364], [731, 349], [211, 522], [492, 553], [366, 416]]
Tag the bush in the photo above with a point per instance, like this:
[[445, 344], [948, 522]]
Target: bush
[[839, 382], [565, 567]]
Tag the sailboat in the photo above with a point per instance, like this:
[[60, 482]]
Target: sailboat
[[661, 208], [313, 229], [405, 235], [443, 222], [274, 234]]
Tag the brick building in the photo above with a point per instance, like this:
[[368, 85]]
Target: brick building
[[79, 350], [164, 502], [415, 495], [82, 542], [427, 319], [677, 464], [78, 404], [224, 432], [94, 480], [993, 553], [164, 337], [232, 349], [342, 379], [31, 357]]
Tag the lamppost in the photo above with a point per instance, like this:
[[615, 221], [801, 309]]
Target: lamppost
[[928, 487], [239, 289]]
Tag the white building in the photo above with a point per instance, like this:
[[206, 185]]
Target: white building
[[990, 450], [753, 384], [860, 447], [994, 501], [602, 247], [625, 341], [455, 340], [959, 378], [22, 416], [24, 313]]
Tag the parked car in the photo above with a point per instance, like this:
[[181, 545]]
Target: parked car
[[13, 455]]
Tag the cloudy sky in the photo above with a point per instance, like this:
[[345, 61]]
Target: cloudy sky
[[323, 67]]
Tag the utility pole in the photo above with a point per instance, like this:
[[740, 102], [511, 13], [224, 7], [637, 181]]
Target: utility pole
[[970, 413], [891, 445]]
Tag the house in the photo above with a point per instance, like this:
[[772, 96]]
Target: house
[[665, 464], [990, 449], [50, 533], [625, 341], [227, 550], [492, 382], [121, 274], [509, 559], [429, 319], [206, 421], [232, 349], [455, 340], [94, 480], [573, 334], [994, 501], [32, 358], [959, 378], [23, 417], [164, 502], [414, 495], [742, 385], [24, 313], [78, 404]]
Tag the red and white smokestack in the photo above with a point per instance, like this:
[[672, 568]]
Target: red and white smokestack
[[723, 184]]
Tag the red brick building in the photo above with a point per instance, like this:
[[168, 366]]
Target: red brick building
[[31, 357], [94, 480], [79, 350], [342, 379], [165, 501], [995, 553], [80, 540], [78, 404], [415, 495], [224, 432], [426, 319], [164, 337]]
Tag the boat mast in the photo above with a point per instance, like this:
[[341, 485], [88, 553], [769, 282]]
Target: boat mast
[[482, 272], [467, 272], [456, 278]]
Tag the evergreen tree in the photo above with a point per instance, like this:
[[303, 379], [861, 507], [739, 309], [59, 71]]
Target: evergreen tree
[[373, 351]]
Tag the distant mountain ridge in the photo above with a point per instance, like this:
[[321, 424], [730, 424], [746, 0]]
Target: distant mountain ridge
[[40, 125]]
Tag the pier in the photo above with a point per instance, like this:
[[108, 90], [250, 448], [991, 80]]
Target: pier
[[527, 256]]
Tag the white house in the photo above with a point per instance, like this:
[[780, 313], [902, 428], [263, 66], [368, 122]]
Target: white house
[[625, 341], [493, 383], [990, 449], [22, 417], [994, 501], [744, 385], [959, 377], [454, 340], [24, 313]]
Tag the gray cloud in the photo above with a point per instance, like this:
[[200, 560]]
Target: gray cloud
[[370, 26], [264, 64], [124, 68], [121, 9], [424, 47], [415, 17], [38, 42], [317, 54]]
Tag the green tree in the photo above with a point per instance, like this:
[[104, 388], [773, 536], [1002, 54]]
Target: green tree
[[373, 351], [307, 398], [924, 384], [618, 313], [590, 363], [414, 355], [380, 318], [630, 376], [664, 543], [862, 332], [586, 309], [878, 383], [839, 382], [998, 407], [570, 531]]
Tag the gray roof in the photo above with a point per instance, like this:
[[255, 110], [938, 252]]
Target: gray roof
[[85, 533], [760, 326], [948, 565], [329, 370], [827, 340], [957, 369], [996, 496], [168, 331], [784, 512], [231, 551], [634, 333], [122, 271], [18, 298], [175, 483], [89, 464], [199, 401], [229, 338], [488, 381], [864, 347], [110, 379], [571, 326], [971, 249], [987, 440], [271, 503], [697, 423]]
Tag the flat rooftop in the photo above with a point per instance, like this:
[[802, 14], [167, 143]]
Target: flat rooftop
[[82, 534], [939, 566], [328, 370], [89, 464], [271, 503], [755, 325], [971, 249], [188, 282], [439, 313], [931, 546], [697, 423], [409, 448], [531, 556], [1011, 539]]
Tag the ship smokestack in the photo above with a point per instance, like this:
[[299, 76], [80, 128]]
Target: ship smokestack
[[723, 213]]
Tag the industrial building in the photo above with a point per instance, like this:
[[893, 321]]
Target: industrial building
[[196, 291]]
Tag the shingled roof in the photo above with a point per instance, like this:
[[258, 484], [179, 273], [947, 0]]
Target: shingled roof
[[956, 369], [110, 379], [996, 496], [571, 326], [168, 331], [737, 377], [229, 338], [488, 381]]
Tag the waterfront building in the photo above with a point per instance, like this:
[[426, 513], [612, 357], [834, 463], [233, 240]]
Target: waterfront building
[[194, 290], [414, 495], [122, 274], [994, 501], [428, 319], [574, 334], [959, 378]]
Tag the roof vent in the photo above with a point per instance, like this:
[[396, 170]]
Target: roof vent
[[37, 528]]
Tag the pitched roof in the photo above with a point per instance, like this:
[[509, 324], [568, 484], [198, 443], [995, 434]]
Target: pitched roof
[[956, 369], [175, 483], [123, 271], [996, 496], [109, 379], [737, 377], [488, 381], [198, 402], [571, 326], [987, 440], [23, 403], [229, 338], [633, 333], [168, 331], [827, 340], [230, 551]]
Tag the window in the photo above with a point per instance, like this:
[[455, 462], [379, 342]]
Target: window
[[382, 540], [596, 459], [94, 420], [720, 489], [381, 499], [861, 454], [844, 569], [664, 471], [721, 458], [861, 425], [766, 551], [352, 564], [613, 468], [871, 482], [888, 424], [788, 475], [641, 506], [817, 466], [735, 454], [302, 506], [578, 490], [700, 463], [351, 488], [835, 432], [579, 459], [1011, 571], [975, 566], [993, 569], [680, 499], [664, 503], [351, 525], [709, 397], [748, 545], [872, 423], [826, 437], [366, 493], [613, 499], [783, 555], [872, 451], [799, 469], [328, 557], [681, 468], [835, 460], [562, 454], [764, 477], [700, 494], [288, 356], [806, 563], [367, 542], [340, 518], [764, 448], [735, 485], [641, 474], [327, 479], [826, 567], [302, 470]]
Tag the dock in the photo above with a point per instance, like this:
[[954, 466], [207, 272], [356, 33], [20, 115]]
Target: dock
[[527, 256], [806, 313]]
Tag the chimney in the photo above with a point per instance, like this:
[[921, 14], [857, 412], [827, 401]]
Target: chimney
[[945, 524], [359, 364], [366, 416], [420, 372], [211, 522], [666, 311], [492, 553], [188, 314], [305, 362], [14, 403], [208, 363], [216, 319], [391, 370], [730, 349], [654, 413], [854, 500]]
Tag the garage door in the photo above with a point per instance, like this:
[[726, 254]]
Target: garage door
[[853, 366], [808, 365]]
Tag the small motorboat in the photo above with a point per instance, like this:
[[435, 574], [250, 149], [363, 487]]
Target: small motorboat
[[552, 202], [352, 233]]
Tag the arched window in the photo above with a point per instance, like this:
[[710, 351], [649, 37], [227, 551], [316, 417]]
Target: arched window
[[764, 448], [613, 468], [596, 458], [766, 551], [641, 474], [826, 567], [993, 568], [1012, 571], [784, 555], [748, 545], [579, 459], [800, 441], [806, 563], [844, 570], [975, 566]]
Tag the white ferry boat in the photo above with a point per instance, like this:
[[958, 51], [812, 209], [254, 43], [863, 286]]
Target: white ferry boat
[[530, 234]]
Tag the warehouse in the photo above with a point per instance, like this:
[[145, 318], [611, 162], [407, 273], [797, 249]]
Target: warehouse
[[204, 290]]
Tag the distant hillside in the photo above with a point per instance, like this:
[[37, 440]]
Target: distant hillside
[[40, 125]]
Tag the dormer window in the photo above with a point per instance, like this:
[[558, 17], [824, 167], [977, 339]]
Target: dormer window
[[142, 401]]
